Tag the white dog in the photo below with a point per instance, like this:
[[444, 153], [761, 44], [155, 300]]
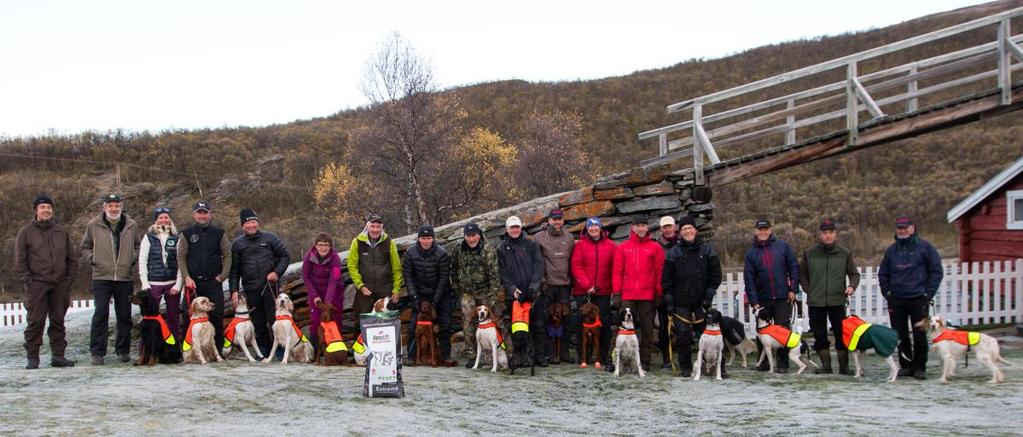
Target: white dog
[[627, 346], [361, 352], [489, 337], [286, 332], [712, 345], [241, 332], [199, 341], [951, 344], [778, 337]]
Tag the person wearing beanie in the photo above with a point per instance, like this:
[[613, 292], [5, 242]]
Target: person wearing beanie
[[158, 266], [474, 279], [427, 269], [111, 243], [828, 275], [204, 262], [374, 266], [556, 245], [592, 261], [46, 262], [259, 259]]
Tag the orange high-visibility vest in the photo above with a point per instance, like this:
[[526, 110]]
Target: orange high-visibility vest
[[784, 336], [164, 330], [520, 316], [500, 338], [298, 331], [964, 338], [332, 337], [230, 330], [187, 345], [852, 330]]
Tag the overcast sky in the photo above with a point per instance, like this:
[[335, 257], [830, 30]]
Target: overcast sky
[[91, 65]]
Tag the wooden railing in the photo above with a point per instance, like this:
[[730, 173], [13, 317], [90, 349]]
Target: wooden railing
[[856, 93]]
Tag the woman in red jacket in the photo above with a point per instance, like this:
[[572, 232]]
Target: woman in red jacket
[[592, 260], [636, 280]]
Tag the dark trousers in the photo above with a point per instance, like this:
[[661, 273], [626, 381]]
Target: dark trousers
[[214, 291], [262, 312], [443, 322], [44, 301], [604, 304], [904, 313], [819, 317], [102, 292], [781, 312], [685, 333], [537, 326], [643, 313], [662, 331], [563, 294]]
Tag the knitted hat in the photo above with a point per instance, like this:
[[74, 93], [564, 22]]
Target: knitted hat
[[248, 214], [41, 199]]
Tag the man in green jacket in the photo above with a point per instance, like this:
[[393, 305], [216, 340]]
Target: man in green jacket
[[110, 244], [474, 277], [829, 276], [374, 267]]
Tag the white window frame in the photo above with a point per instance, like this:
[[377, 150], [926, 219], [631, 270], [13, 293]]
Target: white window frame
[[1012, 222]]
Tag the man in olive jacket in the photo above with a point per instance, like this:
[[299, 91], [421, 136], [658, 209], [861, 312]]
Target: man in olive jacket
[[824, 270], [111, 243], [46, 264]]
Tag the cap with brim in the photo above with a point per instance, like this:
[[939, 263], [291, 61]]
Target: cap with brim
[[512, 221], [763, 223], [201, 206], [827, 225], [425, 231], [556, 213], [903, 222], [374, 218], [667, 220], [111, 198], [472, 229]]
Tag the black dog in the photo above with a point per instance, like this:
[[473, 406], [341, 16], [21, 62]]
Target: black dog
[[157, 343], [522, 345]]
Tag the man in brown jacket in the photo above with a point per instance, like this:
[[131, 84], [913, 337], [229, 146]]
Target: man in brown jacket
[[556, 245], [111, 243], [46, 263]]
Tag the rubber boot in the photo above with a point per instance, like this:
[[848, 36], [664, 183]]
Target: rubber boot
[[825, 356], [843, 363], [315, 341]]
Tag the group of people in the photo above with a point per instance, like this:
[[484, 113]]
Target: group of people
[[668, 280]]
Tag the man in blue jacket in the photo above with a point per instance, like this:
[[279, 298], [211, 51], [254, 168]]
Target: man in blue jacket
[[909, 277], [771, 275]]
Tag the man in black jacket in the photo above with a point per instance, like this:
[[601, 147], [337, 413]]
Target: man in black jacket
[[692, 274], [427, 269], [520, 264], [204, 260], [260, 259]]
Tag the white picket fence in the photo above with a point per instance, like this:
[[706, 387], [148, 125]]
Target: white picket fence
[[12, 314], [969, 294]]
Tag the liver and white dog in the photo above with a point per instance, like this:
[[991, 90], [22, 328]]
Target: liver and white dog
[[627, 346], [287, 333], [488, 338], [712, 345], [951, 344]]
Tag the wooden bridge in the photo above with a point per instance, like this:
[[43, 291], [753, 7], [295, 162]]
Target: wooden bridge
[[884, 105]]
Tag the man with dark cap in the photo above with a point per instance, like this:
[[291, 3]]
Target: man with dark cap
[[259, 261], [110, 243], [46, 263], [556, 246], [909, 276], [771, 276], [475, 280], [636, 282], [427, 268], [828, 275], [374, 267], [204, 260]]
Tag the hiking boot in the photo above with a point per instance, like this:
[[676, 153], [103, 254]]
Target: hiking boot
[[686, 373], [825, 367], [60, 361], [448, 362], [920, 374], [905, 372], [124, 358], [470, 363], [666, 366], [33, 363], [97, 360], [555, 360], [843, 363], [763, 367], [610, 368], [541, 362], [782, 370]]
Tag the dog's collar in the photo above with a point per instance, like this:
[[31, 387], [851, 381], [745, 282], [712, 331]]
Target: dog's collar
[[711, 332], [240, 313], [487, 325], [626, 332], [424, 323], [595, 324]]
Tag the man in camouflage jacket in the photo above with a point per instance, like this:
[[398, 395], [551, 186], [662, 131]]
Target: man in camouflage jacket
[[474, 276]]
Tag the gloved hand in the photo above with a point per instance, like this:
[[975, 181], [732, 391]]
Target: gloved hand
[[659, 301], [670, 309], [436, 300], [523, 296], [616, 301], [706, 304], [574, 306]]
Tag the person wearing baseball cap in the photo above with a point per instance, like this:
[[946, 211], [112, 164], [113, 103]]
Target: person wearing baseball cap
[[668, 238], [111, 242], [427, 268], [46, 262], [374, 266], [474, 280], [909, 276], [259, 261], [771, 276], [204, 261], [828, 275], [556, 246], [521, 268]]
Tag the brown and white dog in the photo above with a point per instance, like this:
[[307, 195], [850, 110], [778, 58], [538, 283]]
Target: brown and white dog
[[488, 337], [332, 345], [627, 346], [557, 312], [591, 324], [951, 344], [426, 342], [287, 333], [241, 332], [199, 337]]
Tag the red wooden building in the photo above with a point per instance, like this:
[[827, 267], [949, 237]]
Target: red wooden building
[[990, 221]]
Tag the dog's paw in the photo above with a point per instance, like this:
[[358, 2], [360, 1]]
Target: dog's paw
[[582, 365], [266, 360], [597, 365]]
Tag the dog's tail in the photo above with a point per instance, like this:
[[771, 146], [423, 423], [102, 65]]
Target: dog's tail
[[999, 359]]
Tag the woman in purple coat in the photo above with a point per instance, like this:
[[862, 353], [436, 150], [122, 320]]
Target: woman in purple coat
[[321, 272]]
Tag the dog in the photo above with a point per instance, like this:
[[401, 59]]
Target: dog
[[951, 344], [360, 351], [774, 336], [734, 333], [241, 332], [712, 345], [157, 343], [488, 336], [590, 340], [627, 346], [557, 312], [332, 346], [199, 337], [426, 341], [882, 339], [523, 351], [287, 334]]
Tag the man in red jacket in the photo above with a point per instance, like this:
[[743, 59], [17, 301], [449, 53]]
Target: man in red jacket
[[636, 283]]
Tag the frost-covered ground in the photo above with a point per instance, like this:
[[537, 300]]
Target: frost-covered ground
[[255, 399]]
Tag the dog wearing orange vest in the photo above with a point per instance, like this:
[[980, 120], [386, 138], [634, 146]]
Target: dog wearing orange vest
[[330, 334], [858, 336], [199, 341], [288, 335], [426, 342], [241, 332], [627, 346], [951, 344], [773, 337], [712, 345], [488, 337], [157, 344]]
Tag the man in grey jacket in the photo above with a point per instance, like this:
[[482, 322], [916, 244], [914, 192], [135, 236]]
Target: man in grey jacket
[[111, 244], [556, 245]]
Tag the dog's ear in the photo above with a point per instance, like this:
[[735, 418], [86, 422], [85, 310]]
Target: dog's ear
[[289, 305]]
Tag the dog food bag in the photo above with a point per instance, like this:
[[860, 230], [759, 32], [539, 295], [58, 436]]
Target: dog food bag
[[382, 334]]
